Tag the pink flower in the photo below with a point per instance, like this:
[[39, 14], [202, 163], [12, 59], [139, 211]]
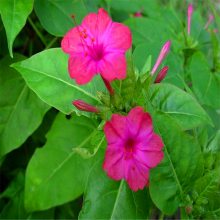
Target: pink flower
[[133, 148], [83, 106], [164, 51], [161, 75], [98, 45], [189, 15]]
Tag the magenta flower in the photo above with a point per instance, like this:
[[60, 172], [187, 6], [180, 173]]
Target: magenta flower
[[133, 148], [98, 45], [189, 15], [164, 51]]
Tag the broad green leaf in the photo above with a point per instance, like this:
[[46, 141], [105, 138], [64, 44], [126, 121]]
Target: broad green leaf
[[146, 7], [14, 14], [46, 74], [14, 195], [21, 111], [206, 84], [56, 15], [207, 189], [182, 165], [148, 30], [214, 145], [108, 199], [179, 105], [56, 173], [94, 143]]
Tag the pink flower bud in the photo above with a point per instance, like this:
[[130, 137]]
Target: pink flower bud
[[211, 18], [138, 14], [161, 75], [83, 106], [165, 49], [189, 15]]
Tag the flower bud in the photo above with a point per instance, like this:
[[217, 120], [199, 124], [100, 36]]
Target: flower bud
[[211, 18], [161, 75], [138, 14], [83, 106], [165, 49], [189, 15]]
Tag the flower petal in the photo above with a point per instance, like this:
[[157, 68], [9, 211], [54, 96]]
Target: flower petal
[[81, 68], [153, 143], [96, 24], [137, 175], [113, 66], [116, 129], [118, 37], [140, 122], [71, 43], [114, 163], [148, 158]]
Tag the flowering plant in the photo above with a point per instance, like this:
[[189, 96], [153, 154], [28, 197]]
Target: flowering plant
[[120, 120]]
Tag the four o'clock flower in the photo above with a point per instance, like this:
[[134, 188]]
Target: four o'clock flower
[[189, 15], [98, 45], [133, 148], [165, 49]]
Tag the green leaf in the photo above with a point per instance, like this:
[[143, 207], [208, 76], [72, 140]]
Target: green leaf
[[21, 111], [206, 84], [93, 142], [56, 173], [214, 145], [146, 7], [181, 166], [143, 30], [108, 199], [46, 74], [14, 14], [14, 193], [55, 15], [208, 190], [179, 105]]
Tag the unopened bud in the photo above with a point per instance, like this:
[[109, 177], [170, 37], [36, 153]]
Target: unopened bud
[[164, 51], [83, 106], [161, 75], [189, 15], [211, 18], [138, 14]]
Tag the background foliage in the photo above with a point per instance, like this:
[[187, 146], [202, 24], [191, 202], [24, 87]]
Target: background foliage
[[51, 154]]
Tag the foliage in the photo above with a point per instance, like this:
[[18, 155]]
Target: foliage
[[51, 154]]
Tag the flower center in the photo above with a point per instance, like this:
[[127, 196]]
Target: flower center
[[91, 46], [96, 52], [129, 148]]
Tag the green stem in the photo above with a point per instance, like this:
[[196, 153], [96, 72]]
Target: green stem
[[51, 43], [37, 31], [161, 216]]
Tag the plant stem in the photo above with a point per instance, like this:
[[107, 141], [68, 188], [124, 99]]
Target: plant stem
[[37, 31], [51, 43]]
